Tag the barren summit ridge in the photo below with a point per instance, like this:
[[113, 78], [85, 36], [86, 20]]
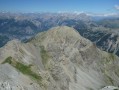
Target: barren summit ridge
[[59, 33], [58, 59]]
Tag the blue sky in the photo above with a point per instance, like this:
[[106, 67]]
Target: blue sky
[[94, 6]]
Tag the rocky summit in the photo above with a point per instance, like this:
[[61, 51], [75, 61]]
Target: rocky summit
[[57, 59]]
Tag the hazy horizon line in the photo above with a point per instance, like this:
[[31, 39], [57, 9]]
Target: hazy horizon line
[[67, 12]]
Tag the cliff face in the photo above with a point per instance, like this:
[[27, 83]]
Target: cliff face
[[59, 59]]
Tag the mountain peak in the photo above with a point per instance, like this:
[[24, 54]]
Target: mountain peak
[[58, 59], [61, 31], [60, 35]]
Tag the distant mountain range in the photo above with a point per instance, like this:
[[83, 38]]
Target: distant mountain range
[[101, 30]]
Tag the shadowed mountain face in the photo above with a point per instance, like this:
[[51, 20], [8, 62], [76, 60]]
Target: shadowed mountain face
[[103, 32], [24, 26], [57, 59]]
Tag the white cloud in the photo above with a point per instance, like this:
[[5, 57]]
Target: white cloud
[[103, 14], [116, 7]]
